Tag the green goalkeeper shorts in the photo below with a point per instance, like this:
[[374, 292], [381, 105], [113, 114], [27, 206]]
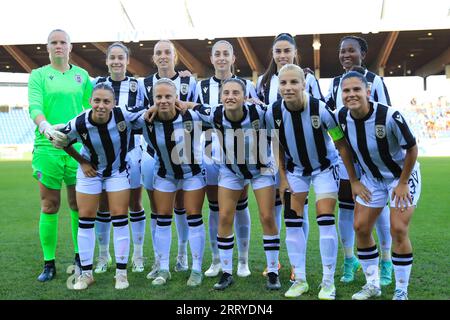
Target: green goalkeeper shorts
[[52, 169]]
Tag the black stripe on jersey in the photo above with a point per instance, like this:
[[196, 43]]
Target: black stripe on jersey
[[118, 116], [116, 86], [361, 140], [300, 142], [242, 167], [132, 95], [168, 129], [195, 167], [383, 143], [148, 84], [318, 136], [388, 99], [404, 129], [108, 147], [151, 131], [204, 91], [254, 116], [279, 125], [80, 125]]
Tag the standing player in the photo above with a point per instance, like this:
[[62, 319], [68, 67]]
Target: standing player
[[208, 92], [387, 152], [352, 51], [177, 167], [305, 129], [239, 128], [284, 51], [165, 59], [56, 93], [127, 93], [105, 134]]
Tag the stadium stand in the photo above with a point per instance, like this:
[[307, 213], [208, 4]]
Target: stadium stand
[[16, 127]]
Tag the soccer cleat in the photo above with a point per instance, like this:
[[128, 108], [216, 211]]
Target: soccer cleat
[[154, 272], [162, 278], [103, 263], [298, 288], [48, 273], [273, 281], [327, 291], [121, 281], [385, 273], [213, 270], [265, 270], [182, 263], [400, 294], [351, 265], [368, 291], [195, 279], [137, 264], [225, 281], [83, 281], [243, 270]]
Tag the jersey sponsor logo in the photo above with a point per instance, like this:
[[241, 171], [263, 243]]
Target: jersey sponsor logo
[[207, 111], [84, 136], [121, 126], [51, 77], [315, 122], [150, 127], [278, 122], [255, 125], [149, 88], [205, 89], [343, 126], [380, 131], [399, 118], [188, 126], [78, 78], [184, 89], [133, 86]]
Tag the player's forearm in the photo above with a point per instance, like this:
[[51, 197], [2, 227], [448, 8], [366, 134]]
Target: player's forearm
[[281, 162], [70, 150], [408, 166]]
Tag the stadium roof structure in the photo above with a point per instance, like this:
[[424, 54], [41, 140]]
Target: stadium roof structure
[[405, 37]]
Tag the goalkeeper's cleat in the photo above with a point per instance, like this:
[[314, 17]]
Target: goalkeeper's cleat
[[265, 270], [138, 264], [83, 281], [48, 273], [400, 294], [182, 263], [213, 269], [195, 279], [103, 263], [298, 288], [243, 270], [368, 291], [385, 273], [351, 265], [162, 278], [121, 281], [327, 291]]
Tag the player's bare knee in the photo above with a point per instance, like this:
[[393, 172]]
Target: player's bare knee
[[49, 205]]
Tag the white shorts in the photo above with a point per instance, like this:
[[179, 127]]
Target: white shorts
[[381, 190], [147, 170], [229, 180], [211, 173], [134, 162], [326, 181], [171, 185], [343, 174], [116, 182]]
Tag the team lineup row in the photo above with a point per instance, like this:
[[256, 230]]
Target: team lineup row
[[304, 129]]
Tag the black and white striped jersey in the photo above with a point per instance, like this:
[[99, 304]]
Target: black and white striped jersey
[[378, 91], [304, 135], [104, 145], [185, 87], [270, 94], [379, 140], [244, 144], [208, 90], [176, 144], [127, 92]]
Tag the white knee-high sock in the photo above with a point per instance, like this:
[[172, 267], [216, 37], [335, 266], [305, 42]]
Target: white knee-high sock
[[272, 250], [369, 259], [305, 223], [182, 230], [328, 245], [242, 226], [138, 221], [278, 210], [163, 239], [86, 242], [345, 225], [402, 269], [196, 240], [121, 238], [226, 245], [213, 223], [383, 227], [102, 232], [296, 244], [153, 220]]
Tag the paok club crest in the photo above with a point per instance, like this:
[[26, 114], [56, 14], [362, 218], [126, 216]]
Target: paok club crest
[[121, 126], [315, 122], [380, 131]]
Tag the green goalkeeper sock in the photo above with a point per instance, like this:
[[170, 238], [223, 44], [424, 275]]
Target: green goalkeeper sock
[[74, 223], [48, 234]]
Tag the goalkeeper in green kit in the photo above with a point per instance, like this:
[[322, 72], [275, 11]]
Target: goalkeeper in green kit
[[57, 93]]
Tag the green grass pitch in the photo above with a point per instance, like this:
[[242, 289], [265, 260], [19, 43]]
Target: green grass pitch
[[21, 256]]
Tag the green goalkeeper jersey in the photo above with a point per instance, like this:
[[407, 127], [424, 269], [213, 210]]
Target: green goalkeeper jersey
[[59, 97]]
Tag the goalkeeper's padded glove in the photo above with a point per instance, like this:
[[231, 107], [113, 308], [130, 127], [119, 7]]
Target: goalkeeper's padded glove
[[52, 133]]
